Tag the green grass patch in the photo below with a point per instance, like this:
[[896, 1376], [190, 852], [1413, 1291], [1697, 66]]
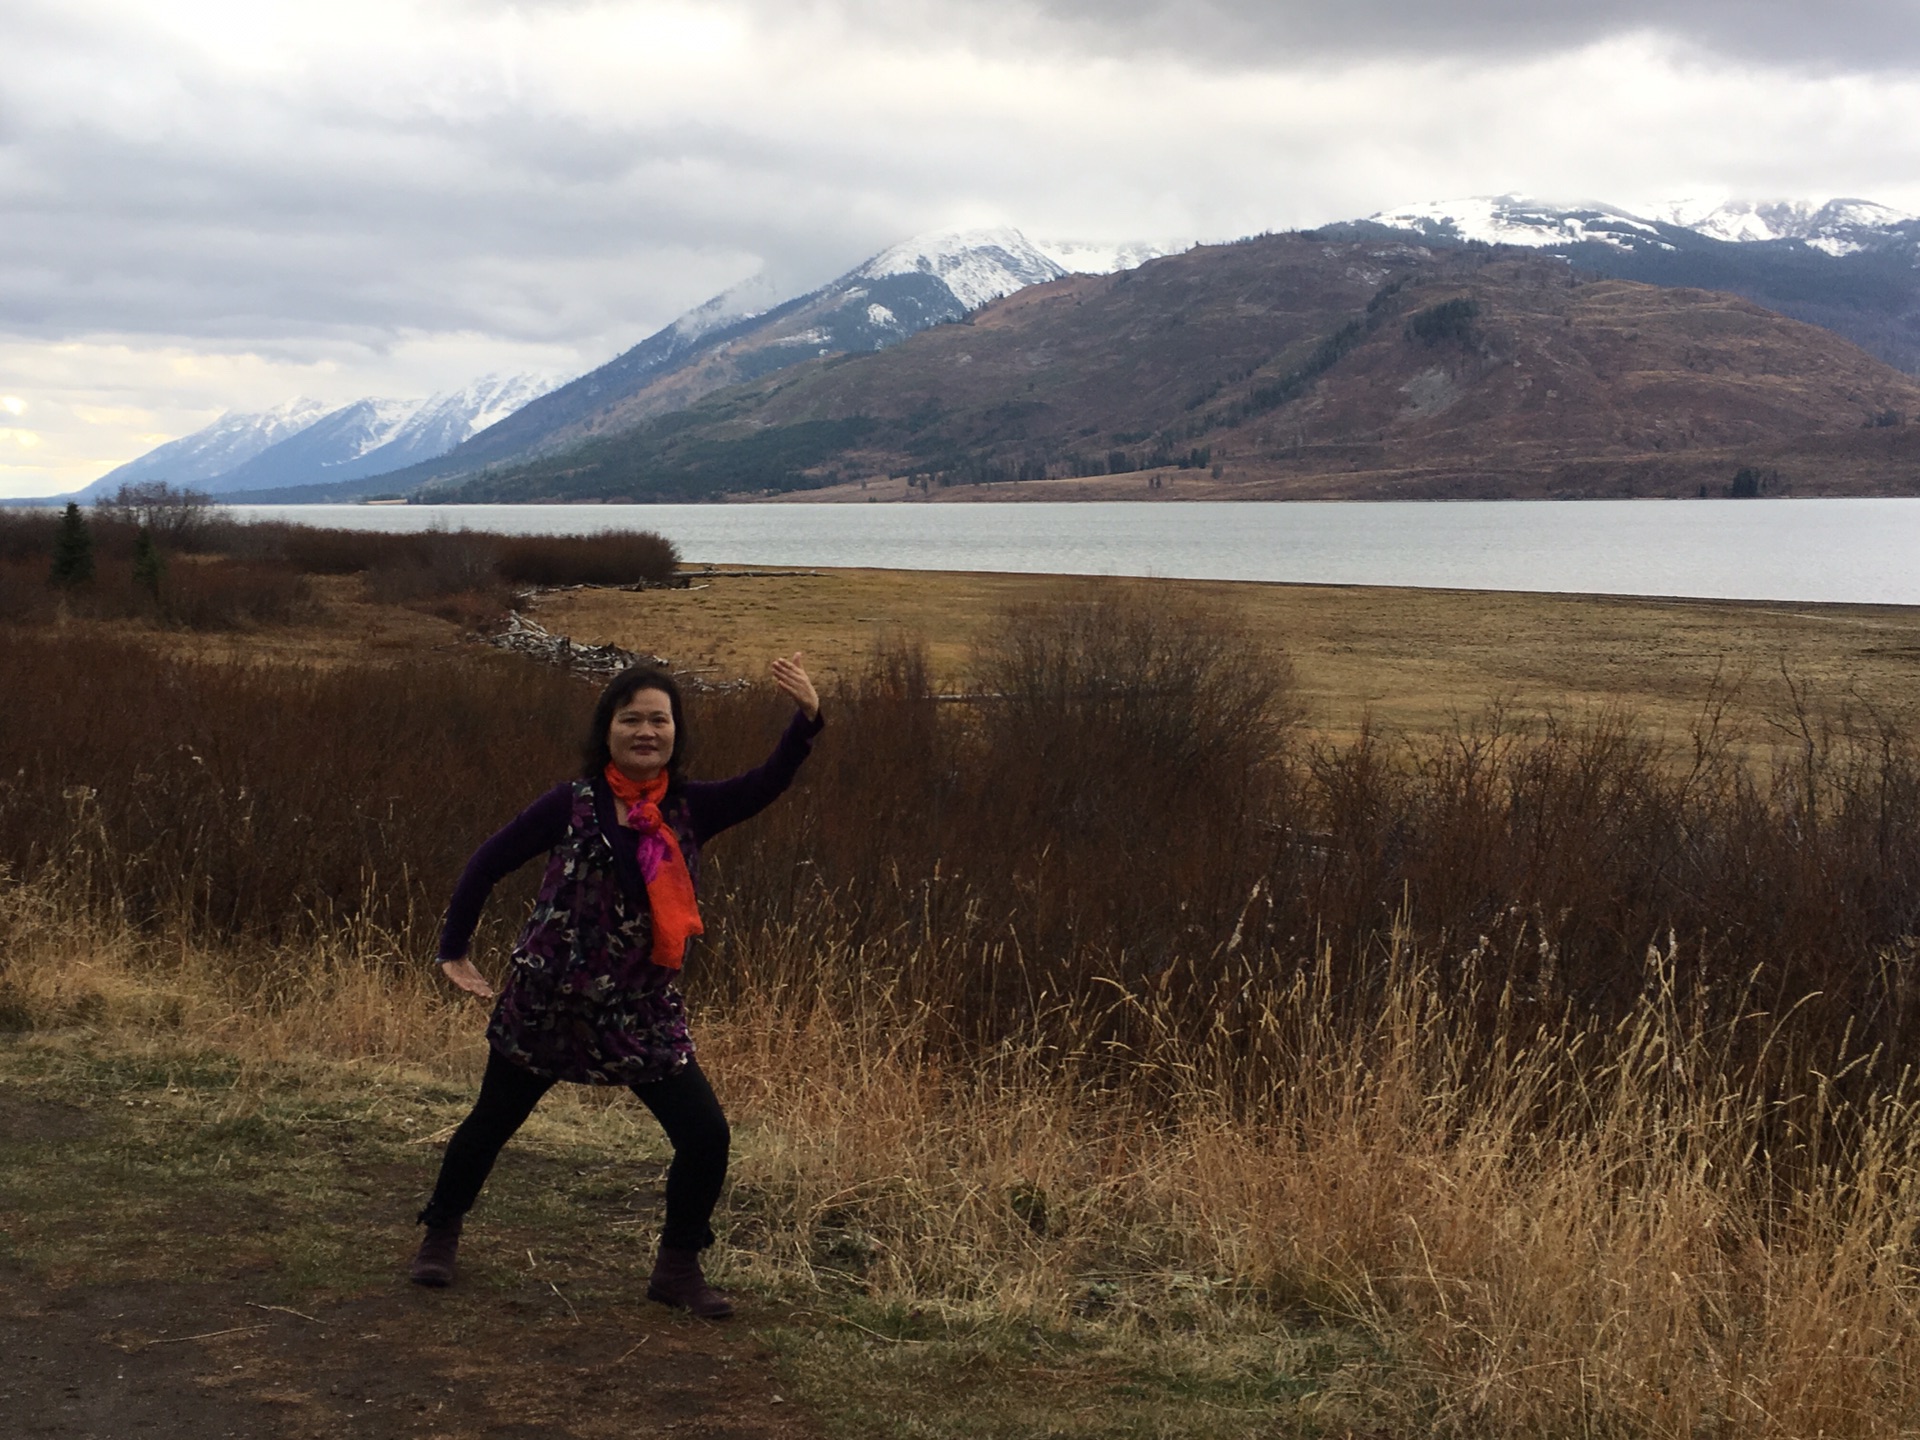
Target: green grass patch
[[162, 1163], [892, 1371]]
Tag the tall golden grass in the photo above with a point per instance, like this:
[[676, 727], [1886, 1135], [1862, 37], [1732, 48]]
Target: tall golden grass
[[1567, 1067], [1622, 1267]]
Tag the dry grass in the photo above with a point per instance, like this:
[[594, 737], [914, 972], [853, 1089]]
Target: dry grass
[[1614, 1272], [1410, 659], [1393, 1066], [1405, 1241]]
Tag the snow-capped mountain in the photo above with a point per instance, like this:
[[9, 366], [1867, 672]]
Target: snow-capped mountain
[[1839, 227], [745, 332], [977, 266], [751, 298], [1834, 227], [1518, 220], [198, 458], [753, 330], [331, 447], [1104, 257], [304, 442], [1851, 266]]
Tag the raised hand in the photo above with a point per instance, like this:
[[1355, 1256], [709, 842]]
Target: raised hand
[[793, 680]]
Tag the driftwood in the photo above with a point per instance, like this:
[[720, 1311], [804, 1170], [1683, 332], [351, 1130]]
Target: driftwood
[[591, 662], [685, 577]]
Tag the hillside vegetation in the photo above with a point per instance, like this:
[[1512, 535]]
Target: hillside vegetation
[[1292, 367]]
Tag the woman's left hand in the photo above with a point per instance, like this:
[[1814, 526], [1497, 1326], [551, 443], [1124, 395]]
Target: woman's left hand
[[788, 675]]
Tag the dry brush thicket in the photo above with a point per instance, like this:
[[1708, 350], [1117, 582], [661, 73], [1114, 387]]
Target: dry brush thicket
[[221, 574], [1566, 1065]]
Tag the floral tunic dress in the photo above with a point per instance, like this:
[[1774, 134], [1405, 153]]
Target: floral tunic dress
[[584, 1000]]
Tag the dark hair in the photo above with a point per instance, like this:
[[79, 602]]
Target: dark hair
[[594, 754]]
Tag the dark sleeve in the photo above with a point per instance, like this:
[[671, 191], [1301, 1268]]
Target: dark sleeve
[[713, 805], [535, 830]]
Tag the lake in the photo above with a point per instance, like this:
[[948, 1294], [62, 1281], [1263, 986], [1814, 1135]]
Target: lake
[[1861, 551]]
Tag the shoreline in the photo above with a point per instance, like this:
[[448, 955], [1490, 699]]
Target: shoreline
[[1400, 656], [737, 570]]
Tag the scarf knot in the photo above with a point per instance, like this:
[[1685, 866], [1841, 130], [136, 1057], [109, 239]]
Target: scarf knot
[[676, 914]]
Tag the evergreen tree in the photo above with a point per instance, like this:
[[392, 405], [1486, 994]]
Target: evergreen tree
[[148, 565], [72, 549]]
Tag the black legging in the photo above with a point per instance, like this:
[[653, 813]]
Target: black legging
[[684, 1105]]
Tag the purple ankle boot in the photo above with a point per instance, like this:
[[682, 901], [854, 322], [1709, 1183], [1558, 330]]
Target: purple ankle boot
[[433, 1264], [677, 1280]]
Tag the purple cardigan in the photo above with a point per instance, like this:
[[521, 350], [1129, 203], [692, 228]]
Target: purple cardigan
[[703, 807]]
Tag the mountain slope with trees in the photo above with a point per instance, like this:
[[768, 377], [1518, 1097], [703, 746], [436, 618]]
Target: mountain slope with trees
[[1849, 266], [1294, 366], [929, 280]]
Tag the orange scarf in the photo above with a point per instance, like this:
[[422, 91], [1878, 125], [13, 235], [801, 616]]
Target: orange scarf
[[676, 915]]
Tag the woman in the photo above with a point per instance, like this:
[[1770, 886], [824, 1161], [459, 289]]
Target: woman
[[591, 996]]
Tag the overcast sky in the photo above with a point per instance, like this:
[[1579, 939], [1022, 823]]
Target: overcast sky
[[227, 203]]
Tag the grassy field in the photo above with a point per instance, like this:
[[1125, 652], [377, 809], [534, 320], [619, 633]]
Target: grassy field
[[204, 1224], [1411, 659], [1455, 1080]]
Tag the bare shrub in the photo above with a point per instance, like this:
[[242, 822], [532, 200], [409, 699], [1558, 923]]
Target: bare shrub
[[227, 595], [609, 557], [27, 535], [463, 575], [242, 804], [25, 598], [434, 565], [178, 518]]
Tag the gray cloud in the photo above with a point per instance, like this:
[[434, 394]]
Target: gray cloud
[[462, 178], [532, 229], [197, 199], [1864, 35]]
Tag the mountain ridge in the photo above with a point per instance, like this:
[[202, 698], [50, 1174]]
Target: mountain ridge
[[928, 280], [1302, 367], [311, 444], [1850, 266]]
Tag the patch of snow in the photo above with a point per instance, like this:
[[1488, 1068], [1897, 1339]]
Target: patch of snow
[[753, 296], [492, 398], [1838, 227], [1518, 220], [385, 421], [307, 442], [1835, 227], [881, 315], [978, 266], [231, 440], [1104, 257]]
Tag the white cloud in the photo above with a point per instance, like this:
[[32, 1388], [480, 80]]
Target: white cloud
[[222, 205]]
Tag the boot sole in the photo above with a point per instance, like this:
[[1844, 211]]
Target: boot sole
[[662, 1298]]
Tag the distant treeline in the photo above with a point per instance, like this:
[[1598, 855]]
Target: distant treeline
[[171, 556]]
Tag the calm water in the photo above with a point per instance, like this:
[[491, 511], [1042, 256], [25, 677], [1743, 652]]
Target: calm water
[[1843, 550]]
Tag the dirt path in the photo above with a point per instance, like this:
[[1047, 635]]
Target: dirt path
[[208, 1328], [102, 1362]]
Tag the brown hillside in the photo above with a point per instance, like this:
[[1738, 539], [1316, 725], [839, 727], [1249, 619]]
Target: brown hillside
[[1303, 368]]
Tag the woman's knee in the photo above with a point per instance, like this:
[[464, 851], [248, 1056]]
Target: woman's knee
[[690, 1113], [704, 1133]]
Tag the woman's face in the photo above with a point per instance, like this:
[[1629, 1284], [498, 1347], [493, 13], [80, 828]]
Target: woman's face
[[640, 740]]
